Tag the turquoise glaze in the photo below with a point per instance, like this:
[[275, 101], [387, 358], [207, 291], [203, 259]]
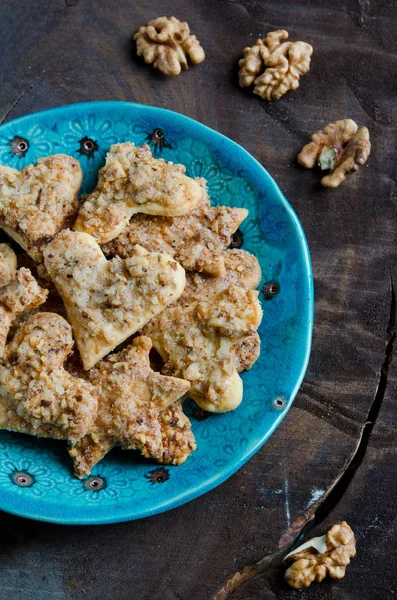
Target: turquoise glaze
[[36, 478]]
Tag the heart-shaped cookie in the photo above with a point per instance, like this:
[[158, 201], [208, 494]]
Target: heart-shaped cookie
[[133, 181], [107, 301], [37, 202]]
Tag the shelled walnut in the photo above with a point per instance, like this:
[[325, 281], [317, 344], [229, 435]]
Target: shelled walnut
[[340, 147], [322, 556], [282, 62], [167, 44]]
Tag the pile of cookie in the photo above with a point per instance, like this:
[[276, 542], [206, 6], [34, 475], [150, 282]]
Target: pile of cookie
[[138, 276]]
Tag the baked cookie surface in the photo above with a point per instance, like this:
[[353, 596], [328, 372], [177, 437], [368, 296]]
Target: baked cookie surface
[[107, 301]]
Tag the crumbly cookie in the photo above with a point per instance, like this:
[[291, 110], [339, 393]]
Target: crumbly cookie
[[19, 292], [37, 202], [195, 240], [210, 334], [131, 401], [107, 301], [37, 395], [133, 181]]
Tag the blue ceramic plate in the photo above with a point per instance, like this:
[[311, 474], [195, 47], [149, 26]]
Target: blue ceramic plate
[[36, 478]]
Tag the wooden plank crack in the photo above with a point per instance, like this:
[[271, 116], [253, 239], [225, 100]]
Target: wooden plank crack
[[17, 101]]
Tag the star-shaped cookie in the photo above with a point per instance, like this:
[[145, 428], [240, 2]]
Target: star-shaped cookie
[[209, 335], [107, 301], [132, 398], [133, 181], [196, 240], [37, 202], [37, 395]]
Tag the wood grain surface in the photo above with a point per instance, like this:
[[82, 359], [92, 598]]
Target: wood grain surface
[[54, 52]]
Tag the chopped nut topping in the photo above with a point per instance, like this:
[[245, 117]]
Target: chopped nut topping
[[319, 557], [340, 147], [273, 65], [167, 44], [176, 435]]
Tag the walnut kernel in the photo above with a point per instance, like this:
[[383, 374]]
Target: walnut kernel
[[167, 43], [340, 147], [329, 555], [282, 62]]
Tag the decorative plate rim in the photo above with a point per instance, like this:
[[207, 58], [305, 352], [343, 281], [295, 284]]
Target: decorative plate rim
[[259, 172]]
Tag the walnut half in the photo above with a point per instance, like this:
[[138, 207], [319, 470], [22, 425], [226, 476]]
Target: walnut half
[[167, 43], [281, 64], [319, 557], [340, 147]]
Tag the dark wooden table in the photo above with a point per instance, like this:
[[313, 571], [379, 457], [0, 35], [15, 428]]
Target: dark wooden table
[[54, 52]]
